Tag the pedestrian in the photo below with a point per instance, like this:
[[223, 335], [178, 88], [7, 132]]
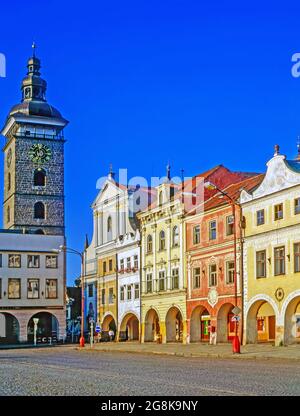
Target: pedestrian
[[212, 335], [111, 334]]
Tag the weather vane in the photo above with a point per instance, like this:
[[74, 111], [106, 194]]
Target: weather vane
[[33, 47]]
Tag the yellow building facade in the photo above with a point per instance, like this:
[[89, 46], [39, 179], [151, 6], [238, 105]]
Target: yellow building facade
[[271, 255], [163, 283]]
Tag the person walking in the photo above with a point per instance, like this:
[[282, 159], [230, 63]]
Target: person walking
[[111, 334], [212, 335]]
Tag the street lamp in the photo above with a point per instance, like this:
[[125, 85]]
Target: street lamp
[[236, 310], [65, 249], [35, 323]]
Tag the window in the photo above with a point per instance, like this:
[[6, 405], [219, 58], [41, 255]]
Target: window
[[129, 292], [261, 270], [111, 295], [162, 240], [260, 217], [110, 265], [122, 293], [103, 296], [213, 275], [39, 211], [297, 206], [8, 214], [104, 267], [213, 230], [0, 288], [128, 263], [51, 288], [14, 288], [297, 257], [279, 254], [8, 181], [161, 281], [33, 261], [278, 212], [0, 260], [149, 287], [136, 291], [39, 177], [109, 228], [136, 262], [160, 198], [196, 277], [175, 236], [175, 279], [14, 260], [51, 262], [229, 225], [90, 291], [230, 272], [33, 288], [196, 234], [149, 244], [122, 264]]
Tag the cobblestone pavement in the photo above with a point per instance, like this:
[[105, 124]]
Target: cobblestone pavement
[[67, 371]]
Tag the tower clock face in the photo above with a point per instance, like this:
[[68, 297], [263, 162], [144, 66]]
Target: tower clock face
[[8, 159], [40, 153]]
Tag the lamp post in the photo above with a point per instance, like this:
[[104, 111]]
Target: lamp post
[[73, 251], [236, 310], [35, 323]]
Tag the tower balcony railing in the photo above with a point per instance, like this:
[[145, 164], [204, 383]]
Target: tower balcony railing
[[34, 135]]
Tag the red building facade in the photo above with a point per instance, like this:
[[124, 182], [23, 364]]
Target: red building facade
[[211, 289]]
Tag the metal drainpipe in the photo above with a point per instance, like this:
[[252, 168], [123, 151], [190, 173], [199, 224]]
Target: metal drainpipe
[[242, 274]]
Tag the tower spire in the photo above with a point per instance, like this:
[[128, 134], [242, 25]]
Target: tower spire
[[33, 86], [168, 171], [33, 49]]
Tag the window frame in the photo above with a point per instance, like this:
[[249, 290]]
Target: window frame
[[196, 278], [230, 272], [229, 226], [161, 280], [296, 256], [212, 229], [9, 281], [196, 234], [56, 287], [47, 257], [213, 275], [276, 212], [258, 223], [149, 282], [260, 262], [174, 278], [14, 266], [282, 258], [38, 288], [38, 261]]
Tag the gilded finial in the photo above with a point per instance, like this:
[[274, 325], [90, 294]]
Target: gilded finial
[[33, 48]]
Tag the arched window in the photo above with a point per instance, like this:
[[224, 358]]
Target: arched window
[[162, 240], [8, 181], [8, 214], [149, 244], [175, 236], [39, 178], [109, 229], [39, 210], [160, 198]]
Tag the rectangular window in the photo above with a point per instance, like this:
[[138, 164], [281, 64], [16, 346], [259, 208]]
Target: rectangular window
[[91, 291], [136, 291], [51, 288], [196, 234], [0, 260], [51, 262], [260, 217], [111, 295], [196, 277], [213, 230], [129, 292], [128, 263], [33, 288], [110, 265], [33, 261], [279, 257], [213, 275], [297, 206], [175, 279], [122, 293], [122, 264], [261, 270], [103, 296], [161, 281], [149, 244], [149, 287], [278, 212], [229, 225], [297, 257], [14, 288], [104, 267], [136, 262], [14, 260], [230, 272]]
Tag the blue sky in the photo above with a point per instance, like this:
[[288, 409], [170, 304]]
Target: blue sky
[[197, 83]]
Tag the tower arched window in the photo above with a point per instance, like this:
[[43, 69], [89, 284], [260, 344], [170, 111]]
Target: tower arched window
[[149, 244], [175, 236], [39, 210], [39, 177], [8, 181], [162, 240], [8, 214], [109, 229]]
